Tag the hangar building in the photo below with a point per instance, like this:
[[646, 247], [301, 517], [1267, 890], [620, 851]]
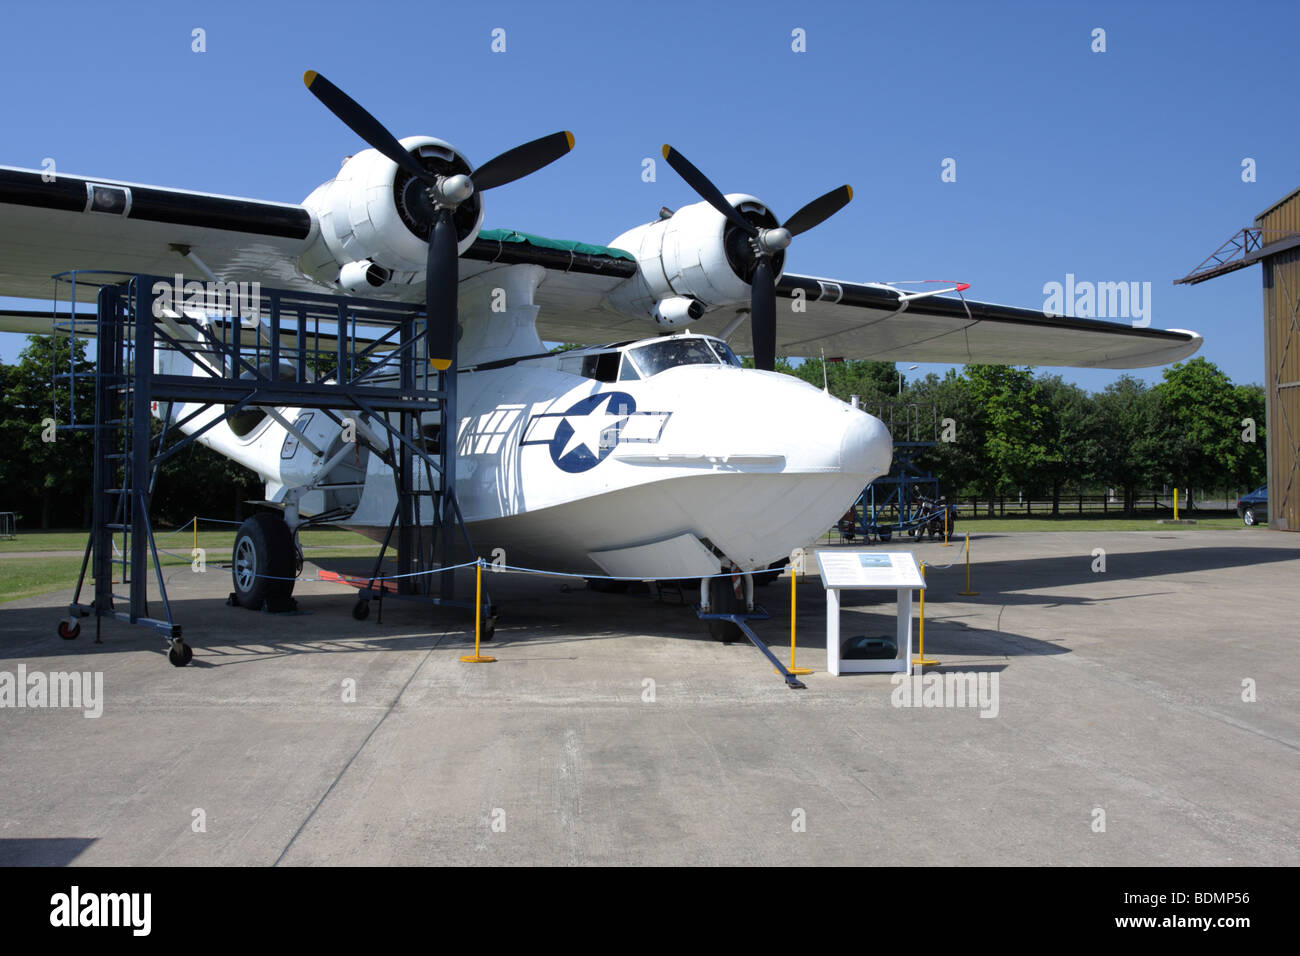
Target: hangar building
[[1274, 241]]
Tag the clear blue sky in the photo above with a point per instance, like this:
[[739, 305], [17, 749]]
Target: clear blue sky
[[1115, 166]]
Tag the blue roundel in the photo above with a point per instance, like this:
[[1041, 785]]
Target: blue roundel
[[590, 430]]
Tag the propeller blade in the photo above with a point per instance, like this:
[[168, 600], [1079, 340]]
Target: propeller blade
[[819, 210], [442, 273], [522, 160], [364, 125], [708, 192], [762, 315]]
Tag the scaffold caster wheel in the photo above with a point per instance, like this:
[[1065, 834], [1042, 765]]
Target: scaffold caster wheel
[[361, 610], [180, 653], [68, 629]]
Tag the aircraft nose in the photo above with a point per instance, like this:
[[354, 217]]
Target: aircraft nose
[[866, 447]]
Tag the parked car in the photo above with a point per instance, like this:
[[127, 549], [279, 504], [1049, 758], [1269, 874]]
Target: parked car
[[1253, 507]]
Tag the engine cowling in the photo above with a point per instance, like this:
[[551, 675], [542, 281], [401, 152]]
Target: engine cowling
[[694, 254], [375, 218]]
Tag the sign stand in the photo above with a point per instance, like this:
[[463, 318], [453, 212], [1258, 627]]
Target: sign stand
[[843, 570]]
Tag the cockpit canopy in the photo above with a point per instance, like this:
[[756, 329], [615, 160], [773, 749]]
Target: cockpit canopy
[[630, 361]]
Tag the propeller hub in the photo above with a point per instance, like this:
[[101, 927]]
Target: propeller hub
[[773, 240], [454, 190]]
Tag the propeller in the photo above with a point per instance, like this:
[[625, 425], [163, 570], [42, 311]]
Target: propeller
[[764, 244], [444, 193]]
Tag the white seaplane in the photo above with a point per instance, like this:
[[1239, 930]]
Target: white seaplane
[[658, 456]]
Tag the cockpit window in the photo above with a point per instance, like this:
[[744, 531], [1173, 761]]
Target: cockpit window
[[657, 356], [627, 371], [724, 352], [603, 367]]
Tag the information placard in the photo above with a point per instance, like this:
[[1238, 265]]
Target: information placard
[[869, 569]]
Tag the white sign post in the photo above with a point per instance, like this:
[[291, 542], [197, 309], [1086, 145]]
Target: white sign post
[[869, 571]]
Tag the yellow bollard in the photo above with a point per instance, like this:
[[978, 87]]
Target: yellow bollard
[[196, 532], [968, 592], [946, 542], [920, 660], [476, 658], [794, 580], [1175, 504]]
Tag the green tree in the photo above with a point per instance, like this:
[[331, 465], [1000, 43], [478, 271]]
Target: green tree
[[1127, 426], [1201, 427], [53, 477], [1073, 444], [959, 460], [1017, 429]]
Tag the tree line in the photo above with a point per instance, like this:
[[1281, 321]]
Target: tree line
[[1013, 432]]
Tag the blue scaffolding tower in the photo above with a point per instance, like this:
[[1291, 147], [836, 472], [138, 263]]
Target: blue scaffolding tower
[[888, 504], [248, 362]]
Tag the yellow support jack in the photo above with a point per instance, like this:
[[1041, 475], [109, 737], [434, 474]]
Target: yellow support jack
[[920, 660], [477, 658]]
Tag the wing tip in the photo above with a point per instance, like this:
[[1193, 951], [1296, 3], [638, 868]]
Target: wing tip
[[309, 78]]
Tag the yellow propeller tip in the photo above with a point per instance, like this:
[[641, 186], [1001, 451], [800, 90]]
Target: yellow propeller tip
[[569, 136], [309, 78], [850, 191], [666, 150], [440, 364]]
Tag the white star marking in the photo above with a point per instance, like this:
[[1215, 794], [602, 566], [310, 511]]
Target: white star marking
[[588, 428]]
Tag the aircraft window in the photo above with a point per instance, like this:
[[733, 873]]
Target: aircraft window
[[627, 372], [724, 352], [603, 367], [657, 356]]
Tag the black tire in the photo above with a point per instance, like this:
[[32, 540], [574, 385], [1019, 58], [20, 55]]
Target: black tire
[[361, 610], [886, 533], [1248, 516], [263, 559], [67, 632], [180, 654], [723, 600]]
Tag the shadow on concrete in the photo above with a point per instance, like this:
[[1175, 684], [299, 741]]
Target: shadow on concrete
[[42, 851], [535, 612]]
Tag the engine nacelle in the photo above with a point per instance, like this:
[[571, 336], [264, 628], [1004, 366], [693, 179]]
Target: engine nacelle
[[375, 218], [696, 254]]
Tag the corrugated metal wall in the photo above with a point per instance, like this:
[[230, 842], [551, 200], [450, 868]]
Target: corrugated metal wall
[[1282, 371]]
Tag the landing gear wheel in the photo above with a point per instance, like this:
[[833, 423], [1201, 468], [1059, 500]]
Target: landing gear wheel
[[180, 653], [1248, 516], [263, 561], [68, 630], [723, 600], [361, 610]]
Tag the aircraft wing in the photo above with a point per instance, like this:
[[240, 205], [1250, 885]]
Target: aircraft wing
[[863, 321], [75, 222]]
